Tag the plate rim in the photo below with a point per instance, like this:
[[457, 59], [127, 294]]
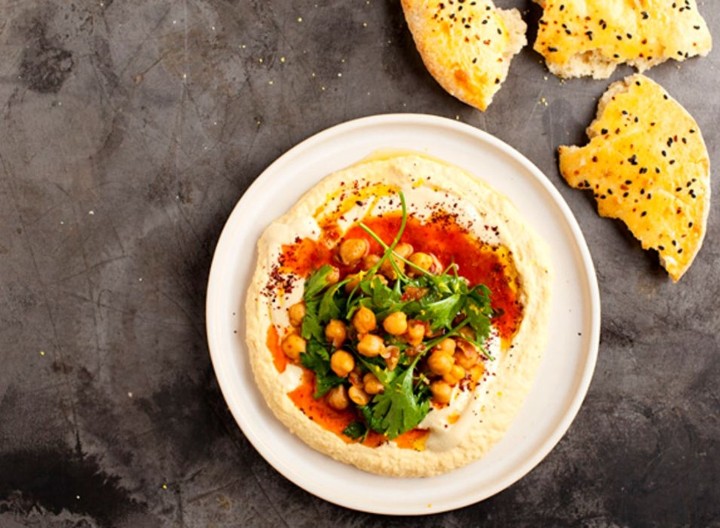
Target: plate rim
[[589, 282]]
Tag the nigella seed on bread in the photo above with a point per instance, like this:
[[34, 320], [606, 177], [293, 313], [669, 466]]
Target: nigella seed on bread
[[592, 37], [466, 45], [647, 165]]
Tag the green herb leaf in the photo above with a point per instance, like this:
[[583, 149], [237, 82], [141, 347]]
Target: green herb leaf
[[479, 312], [329, 307], [397, 409], [356, 430], [317, 282], [311, 327], [317, 359], [441, 313]]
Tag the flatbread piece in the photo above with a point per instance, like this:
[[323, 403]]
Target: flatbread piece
[[466, 46], [591, 37], [647, 165]]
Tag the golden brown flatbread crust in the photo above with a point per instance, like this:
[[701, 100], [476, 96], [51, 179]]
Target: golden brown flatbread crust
[[647, 165], [591, 37], [466, 46]]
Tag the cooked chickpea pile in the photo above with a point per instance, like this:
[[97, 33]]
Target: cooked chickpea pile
[[452, 364]]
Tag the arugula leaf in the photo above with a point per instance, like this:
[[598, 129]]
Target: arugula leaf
[[317, 359], [397, 409]]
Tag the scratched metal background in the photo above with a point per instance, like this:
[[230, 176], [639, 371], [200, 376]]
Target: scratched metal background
[[128, 131]]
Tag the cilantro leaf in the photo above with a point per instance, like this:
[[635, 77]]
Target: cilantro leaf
[[441, 313], [311, 327], [317, 359], [479, 311], [397, 409], [355, 430], [317, 282], [329, 307]]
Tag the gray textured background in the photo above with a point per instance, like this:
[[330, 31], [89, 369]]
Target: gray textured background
[[130, 129]]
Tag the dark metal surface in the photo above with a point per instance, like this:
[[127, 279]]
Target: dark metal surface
[[130, 129]]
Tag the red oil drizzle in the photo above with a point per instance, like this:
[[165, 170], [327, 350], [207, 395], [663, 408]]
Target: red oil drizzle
[[478, 262], [273, 343]]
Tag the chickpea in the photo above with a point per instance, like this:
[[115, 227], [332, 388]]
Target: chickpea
[[422, 261], [391, 357], [440, 363], [404, 250], [401, 250], [441, 391], [381, 278], [358, 396], [413, 293], [337, 398], [476, 372], [342, 363], [415, 332], [467, 357], [333, 276], [447, 346], [467, 333], [364, 320], [371, 345], [372, 384], [296, 313], [369, 261], [352, 250], [353, 282], [455, 375], [396, 323], [355, 377], [335, 332], [293, 345]]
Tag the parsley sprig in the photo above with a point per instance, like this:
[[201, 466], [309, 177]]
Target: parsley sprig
[[448, 305]]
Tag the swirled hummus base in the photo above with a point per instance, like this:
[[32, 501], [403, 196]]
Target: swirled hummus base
[[492, 406]]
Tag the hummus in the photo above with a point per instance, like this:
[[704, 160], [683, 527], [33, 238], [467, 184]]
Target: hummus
[[472, 232]]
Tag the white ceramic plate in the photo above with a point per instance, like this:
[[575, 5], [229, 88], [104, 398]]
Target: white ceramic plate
[[564, 375]]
